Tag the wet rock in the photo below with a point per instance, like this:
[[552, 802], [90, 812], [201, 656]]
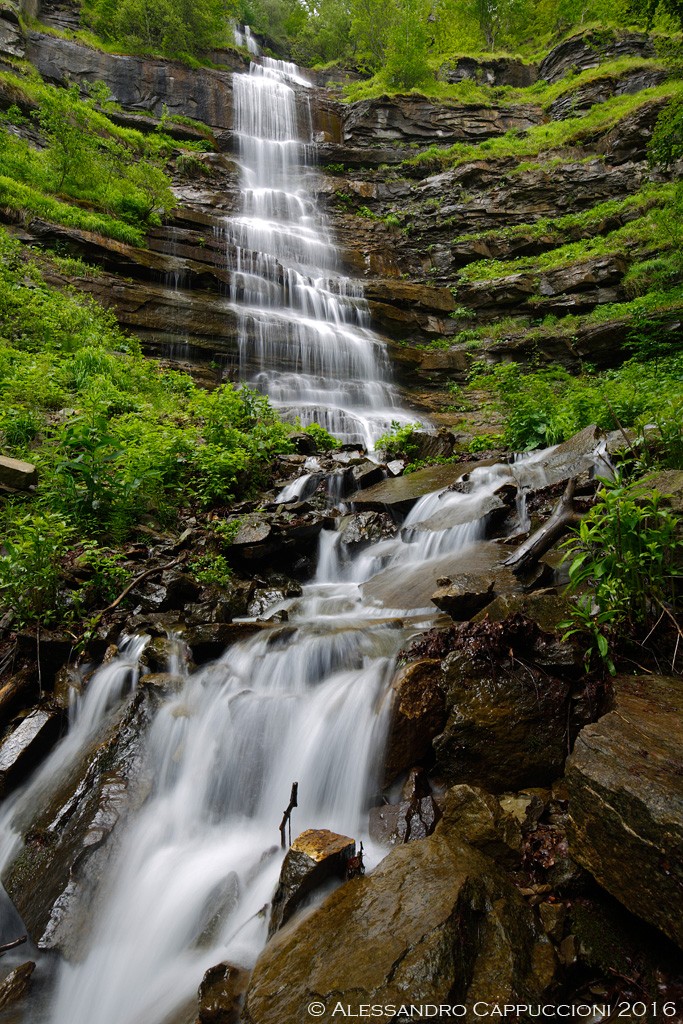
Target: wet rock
[[546, 608], [626, 800], [366, 527], [365, 474], [304, 444], [459, 932], [68, 685], [404, 822], [426, 445], [315, 857], [67, 839], [399, 494], [668, 483], [16, 984], [35, 735], [467, 593], [209, 641], [508, 716], [553, 917], [17, 474], [279, 588], [418, 715], [221, 994], [479, 820]]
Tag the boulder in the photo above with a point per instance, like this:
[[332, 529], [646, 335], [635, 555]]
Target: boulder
[[68, 837], [366, 527], [458, 933], [221, 994], [399, 494], [418, 715], [27, 744], [625, 782], [315, 857], [17, 474], [16, 984], [479, 820], [508, 709], [466, 593], [494, 71]]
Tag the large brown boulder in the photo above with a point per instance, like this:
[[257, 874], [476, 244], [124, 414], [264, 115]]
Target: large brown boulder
[[508, 707], [435, 923], [625, 780], [418, 715]]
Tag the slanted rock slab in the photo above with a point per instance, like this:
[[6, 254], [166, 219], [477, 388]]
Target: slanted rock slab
[[436, 922], [625, 780]]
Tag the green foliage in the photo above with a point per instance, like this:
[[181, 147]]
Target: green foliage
[[88, 160], [324, 441], [398, 441], [547, 406], [34, 545], [626, 567], [212, 570], [172, 27], [107, 577], [666, 145], [141, 441]]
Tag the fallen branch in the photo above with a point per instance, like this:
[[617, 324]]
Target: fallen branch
[[287, 816], [13, 945], [131, 586], [562, 517]]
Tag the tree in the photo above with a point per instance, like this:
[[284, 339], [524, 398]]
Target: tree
[[407, 45], [649, 9]]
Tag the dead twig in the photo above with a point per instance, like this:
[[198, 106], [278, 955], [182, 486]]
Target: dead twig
[[13, 945], [287, 816]]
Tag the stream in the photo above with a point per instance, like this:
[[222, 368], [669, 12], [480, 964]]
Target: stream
[[194, 870]]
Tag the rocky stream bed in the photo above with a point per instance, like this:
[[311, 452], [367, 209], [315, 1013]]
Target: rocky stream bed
[[479, 821]]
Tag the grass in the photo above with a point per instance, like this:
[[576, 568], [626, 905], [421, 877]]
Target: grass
[[573, 131]]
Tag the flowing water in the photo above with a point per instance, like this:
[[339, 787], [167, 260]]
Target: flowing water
[[304, 328], [304, 701]]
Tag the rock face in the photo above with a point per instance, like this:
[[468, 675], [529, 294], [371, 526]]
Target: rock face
[[625, 780], [592, 48], [140, 83], [413, 118], [459, 932], [314, 858], [508, 711], [16, 984], [497, 71], [66, 846]]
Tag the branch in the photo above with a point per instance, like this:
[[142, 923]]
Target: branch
[[131, 586], [13, 945], [563, 516], [287, 816]]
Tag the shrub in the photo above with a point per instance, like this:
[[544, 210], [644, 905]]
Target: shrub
[[30, 565]]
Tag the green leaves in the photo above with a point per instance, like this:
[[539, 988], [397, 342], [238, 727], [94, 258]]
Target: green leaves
[[626, 569]]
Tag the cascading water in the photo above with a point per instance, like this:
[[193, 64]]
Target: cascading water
[[304, 335], [198, 860]]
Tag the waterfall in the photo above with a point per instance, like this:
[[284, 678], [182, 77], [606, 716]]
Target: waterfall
[[304, 328], [197, 859]]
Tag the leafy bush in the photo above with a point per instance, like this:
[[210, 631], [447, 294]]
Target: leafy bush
[[324, 441], [212, 570], [398, 441], [626, 567], [33, 548]]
